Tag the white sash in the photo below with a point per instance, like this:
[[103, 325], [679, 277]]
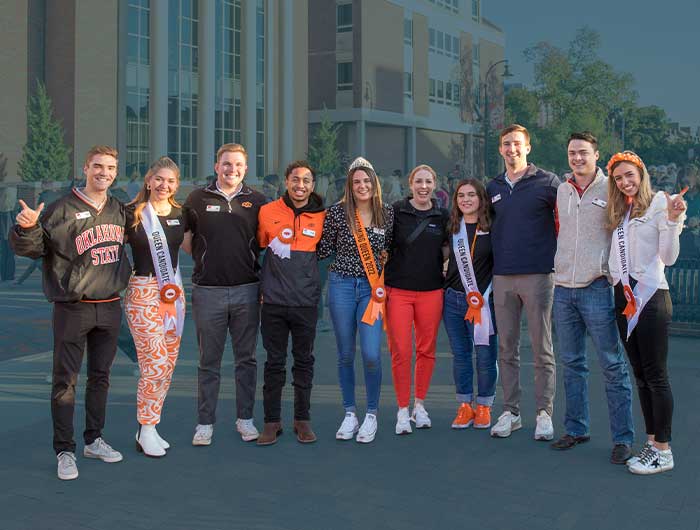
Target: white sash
[[641, 292], [462, 252], [160, 254]]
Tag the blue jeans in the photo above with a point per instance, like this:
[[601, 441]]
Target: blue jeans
[[347, 300], [577, 310], [461, 335]]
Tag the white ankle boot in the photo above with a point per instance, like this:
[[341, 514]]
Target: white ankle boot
[[165, 445], [147, 441]]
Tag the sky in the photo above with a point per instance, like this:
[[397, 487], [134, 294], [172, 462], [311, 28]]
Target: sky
[[658, 44]]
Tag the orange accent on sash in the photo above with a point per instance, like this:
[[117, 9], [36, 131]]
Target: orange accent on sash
[[475, 302], [631, 307], [376, 307]]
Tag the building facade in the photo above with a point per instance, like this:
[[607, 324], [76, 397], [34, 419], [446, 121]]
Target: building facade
[[160, 77], [407, 79]]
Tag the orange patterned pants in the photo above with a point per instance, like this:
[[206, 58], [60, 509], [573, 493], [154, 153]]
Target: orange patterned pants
[[157, 351]]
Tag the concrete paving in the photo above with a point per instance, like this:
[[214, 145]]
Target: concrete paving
[[436, 478]]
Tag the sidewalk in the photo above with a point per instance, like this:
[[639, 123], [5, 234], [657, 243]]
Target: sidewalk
[[437, 478]]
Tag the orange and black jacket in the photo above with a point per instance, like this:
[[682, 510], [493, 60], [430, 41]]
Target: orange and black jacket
[[295, 281]]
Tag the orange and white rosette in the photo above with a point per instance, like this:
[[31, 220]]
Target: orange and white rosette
[[376, 306], [475, 302], [281, 245]]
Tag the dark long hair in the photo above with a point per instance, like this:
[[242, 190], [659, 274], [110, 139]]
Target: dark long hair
[[484, 215]]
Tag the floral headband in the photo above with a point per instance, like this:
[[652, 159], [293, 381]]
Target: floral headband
[[626, 156]]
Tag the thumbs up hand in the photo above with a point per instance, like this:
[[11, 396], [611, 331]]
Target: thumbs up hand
[[28, 218]]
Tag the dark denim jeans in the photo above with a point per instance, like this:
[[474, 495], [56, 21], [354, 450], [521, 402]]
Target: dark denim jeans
[[347, 300], [591, 309], [461, 335]]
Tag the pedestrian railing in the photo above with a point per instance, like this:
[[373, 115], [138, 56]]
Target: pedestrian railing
[[684, 284]]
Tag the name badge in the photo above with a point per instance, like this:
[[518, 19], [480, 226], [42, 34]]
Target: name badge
[[82, 215], [640, 219], [213, 208], [378, 231], [308, 232], [480, 233], [173, 222], [600, 202], [496, 198]]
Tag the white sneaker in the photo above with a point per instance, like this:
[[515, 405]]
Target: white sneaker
[[368, 430], [247, 430], [544, 429], [420, 417], [147, 442], [203, 434], [652, 462], [348, 428], [646, 447], [67, 467], [506, 424], [102, 450], [403, 422]]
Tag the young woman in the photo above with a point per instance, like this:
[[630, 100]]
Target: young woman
[[358, 231], [468, 307], [155, 302], [414, 293], [646, 229]]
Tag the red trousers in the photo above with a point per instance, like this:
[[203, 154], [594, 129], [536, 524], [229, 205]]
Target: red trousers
[[407, 310]]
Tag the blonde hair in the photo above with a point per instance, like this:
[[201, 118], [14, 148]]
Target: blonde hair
[[231, 148], [617, 201], [348, 201], [144, 193]]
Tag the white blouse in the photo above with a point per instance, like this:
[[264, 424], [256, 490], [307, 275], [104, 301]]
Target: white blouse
[[653, 244]]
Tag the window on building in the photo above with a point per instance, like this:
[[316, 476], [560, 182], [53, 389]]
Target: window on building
[[431, 90], [455, 6], [476, 9], [440, 42], [408, 84], [455, 94], [448, 93], [448, 44], [440, 91], [344, 18], [455, 47], [432, 39], [408, 31], [344, 76]]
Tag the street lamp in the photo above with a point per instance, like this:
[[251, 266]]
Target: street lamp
[[506, 74]]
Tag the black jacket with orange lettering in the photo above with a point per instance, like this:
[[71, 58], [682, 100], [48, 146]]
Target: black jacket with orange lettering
[[82, 249], [293, 281]]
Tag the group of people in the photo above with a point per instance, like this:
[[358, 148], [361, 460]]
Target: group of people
[[525, 241]]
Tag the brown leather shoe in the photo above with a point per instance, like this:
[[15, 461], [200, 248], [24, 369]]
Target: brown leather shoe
[[270, 433], [304, 432]]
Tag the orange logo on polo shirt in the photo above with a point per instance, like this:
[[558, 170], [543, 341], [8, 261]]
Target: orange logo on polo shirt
[[247, 204]]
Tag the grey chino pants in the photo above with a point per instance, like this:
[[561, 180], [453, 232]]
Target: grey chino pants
[[534, 293], [218, 310]]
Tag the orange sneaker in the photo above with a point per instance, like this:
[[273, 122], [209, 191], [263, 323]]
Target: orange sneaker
[[464, 418], [482, 419]]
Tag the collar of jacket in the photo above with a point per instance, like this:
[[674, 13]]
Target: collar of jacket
[[405, 206], [314, 205], [211, 188], [531, 172], [599, 175]]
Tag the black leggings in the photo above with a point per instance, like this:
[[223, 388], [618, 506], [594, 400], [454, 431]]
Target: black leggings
[[647, 349]]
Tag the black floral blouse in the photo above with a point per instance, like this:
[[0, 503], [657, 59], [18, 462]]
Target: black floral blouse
[[337, 239]]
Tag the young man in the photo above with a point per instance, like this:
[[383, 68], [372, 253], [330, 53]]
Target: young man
[[583, 301], [523, 236], [223, 219], [81, 240], [290, 228]]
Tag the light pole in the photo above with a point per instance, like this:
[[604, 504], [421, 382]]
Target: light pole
[[506, 74]]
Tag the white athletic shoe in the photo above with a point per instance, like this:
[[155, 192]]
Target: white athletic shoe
[[403, 421], [420, 417], [348, 428], [203, 434], [368, 430], [103, 451], [247, 430], [544, 429], [506, 424], [653, 461], [67, 466]]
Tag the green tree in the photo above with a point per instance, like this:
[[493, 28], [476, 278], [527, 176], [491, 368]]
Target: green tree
[[45, 156], [323, 154]]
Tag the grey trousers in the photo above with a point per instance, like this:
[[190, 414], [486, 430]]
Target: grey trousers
[[511, 294], [218, 310]]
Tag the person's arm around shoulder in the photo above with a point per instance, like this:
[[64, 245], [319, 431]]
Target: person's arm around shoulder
[[27, 236], [189, 217], [327, 244], [389, 227]]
